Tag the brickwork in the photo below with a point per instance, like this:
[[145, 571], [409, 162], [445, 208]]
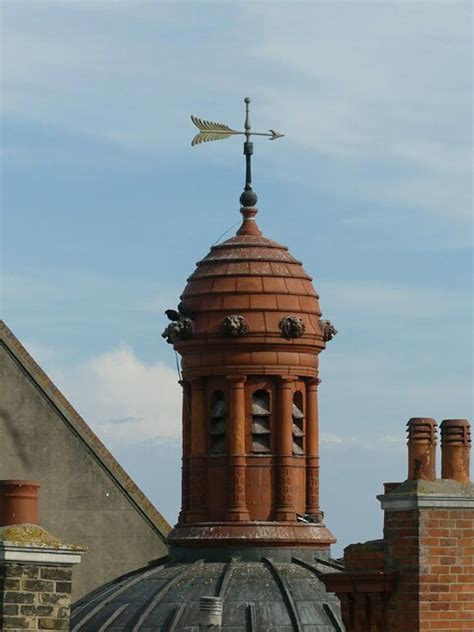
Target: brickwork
[[433, 553], [446, 570], [364, 587], [34, 597], [400, 534]]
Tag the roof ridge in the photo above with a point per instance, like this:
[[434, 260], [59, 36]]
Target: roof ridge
[[88, 436]]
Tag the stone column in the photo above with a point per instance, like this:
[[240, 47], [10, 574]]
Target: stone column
[[186, 449], [312, 448], [197, 460], [237, 508], [285, 509]]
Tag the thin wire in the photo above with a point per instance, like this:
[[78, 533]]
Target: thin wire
[[225, 233]]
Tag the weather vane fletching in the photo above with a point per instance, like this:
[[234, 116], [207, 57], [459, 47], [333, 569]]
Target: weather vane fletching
[[209, 131]]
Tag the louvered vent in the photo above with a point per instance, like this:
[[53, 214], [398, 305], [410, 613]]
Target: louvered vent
[[261, 432], [218, 423], [298, 425]]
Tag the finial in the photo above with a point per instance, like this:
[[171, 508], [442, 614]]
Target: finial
[[209, 131]]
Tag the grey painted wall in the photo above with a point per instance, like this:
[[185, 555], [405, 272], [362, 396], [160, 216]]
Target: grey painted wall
[[79, 501]]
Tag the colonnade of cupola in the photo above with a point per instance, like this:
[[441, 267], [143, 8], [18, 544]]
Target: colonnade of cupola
[[250, 448]]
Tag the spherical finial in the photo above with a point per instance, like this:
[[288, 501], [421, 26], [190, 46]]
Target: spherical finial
[[247, 100], [248, 198]]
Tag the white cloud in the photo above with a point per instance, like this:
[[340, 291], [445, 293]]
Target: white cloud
[[126, 401]]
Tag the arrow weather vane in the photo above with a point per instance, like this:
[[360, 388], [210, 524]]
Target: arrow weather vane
[[209, 131]]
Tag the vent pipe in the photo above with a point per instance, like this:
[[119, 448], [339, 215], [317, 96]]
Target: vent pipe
[[421, 449], [455, 449], [210, 613]]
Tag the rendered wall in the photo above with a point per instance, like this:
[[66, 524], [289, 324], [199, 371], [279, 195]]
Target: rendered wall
[[79, 501]]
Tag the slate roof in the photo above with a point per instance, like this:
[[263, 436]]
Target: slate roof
[[281, 596], [83, 431]]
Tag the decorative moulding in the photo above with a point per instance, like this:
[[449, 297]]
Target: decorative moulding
[[181, 326], [395, 502], [328, 329], [234, 326], [14, 552], [291, 327]]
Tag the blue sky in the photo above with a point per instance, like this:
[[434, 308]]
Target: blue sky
[[106, 208]]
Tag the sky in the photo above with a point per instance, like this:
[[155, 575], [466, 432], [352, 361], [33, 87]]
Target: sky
[[106, 208]]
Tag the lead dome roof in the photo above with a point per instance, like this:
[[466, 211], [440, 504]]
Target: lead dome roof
[[282, 596]]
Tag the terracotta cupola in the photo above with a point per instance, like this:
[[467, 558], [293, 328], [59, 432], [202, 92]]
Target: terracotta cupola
[[249, 332]]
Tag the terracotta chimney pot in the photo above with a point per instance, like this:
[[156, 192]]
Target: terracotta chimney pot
[[18, 502], [455, 449], [421, 449]]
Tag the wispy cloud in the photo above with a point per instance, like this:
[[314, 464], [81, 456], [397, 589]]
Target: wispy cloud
[[125, 400], [396, 94], [394, 97]]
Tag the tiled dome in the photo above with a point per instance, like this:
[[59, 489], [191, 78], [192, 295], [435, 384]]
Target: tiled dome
[[255, 277]]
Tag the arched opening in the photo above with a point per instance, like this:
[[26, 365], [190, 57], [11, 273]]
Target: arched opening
[[261, 431]]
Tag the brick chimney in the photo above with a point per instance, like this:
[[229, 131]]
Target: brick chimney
[[35, 566], [419, 577]]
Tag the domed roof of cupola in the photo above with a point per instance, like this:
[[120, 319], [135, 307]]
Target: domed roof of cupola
[[257, 278]]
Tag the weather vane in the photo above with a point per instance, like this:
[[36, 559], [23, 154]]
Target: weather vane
[[209, 131]]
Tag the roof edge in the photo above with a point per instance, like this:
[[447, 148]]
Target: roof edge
[[85, 433]]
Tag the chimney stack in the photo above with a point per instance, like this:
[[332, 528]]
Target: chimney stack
[[455, 449], [18, 502], [35, 566], [421, 449]]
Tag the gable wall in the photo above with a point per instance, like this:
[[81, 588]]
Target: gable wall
[[79, 501]]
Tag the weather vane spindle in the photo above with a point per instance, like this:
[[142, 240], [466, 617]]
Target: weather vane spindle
[[209, 131]]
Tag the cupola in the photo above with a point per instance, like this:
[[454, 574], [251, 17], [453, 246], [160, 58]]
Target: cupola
[[248, 329]]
